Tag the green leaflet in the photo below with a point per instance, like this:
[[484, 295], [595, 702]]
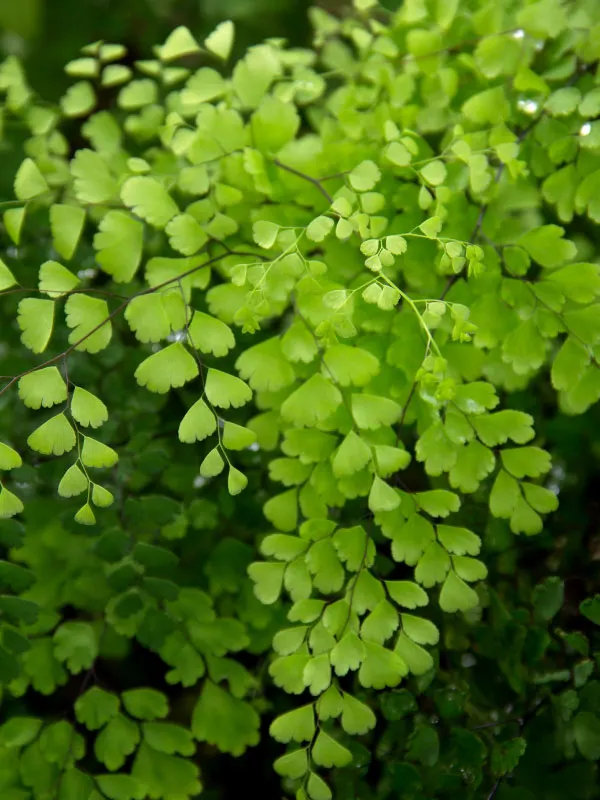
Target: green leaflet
[[149, 200], [78, 100], [407, 594], [97, 454], [54, 437], [165, 773], [546, 246], [236, 481], [119, 244], [185, 234], [365, 176], [354, 548], [455, 595], [85, 515], [120, 787], [296, 726], [268, 579], [212, 465], [210, 335], [220, 41], [117, 740], [168, 368], [36, 320], [226, 391], [137, 93], [390, 460], [179, 42], [292, 765], [9, 458], [45, 387], [223, 720], [148, 318], [13, 222], [382, 497], [350, 366], [381, 668], [7, 279], [380, 624], [497, 428], [273, 124], [282, 510], [417, 659], [329, 753], [206, 84], [289, 471], [87, 409], [168, 738], [93, 181], [55, 280], [372, 412], [73, 482], [438, 502], [459, 541], [89, 319], [76, 645], [265, 367], [10, 504], [145, 704], [526, 461], [352, 455], [29, 181], [237, 437], [312, 403], [66, 223]]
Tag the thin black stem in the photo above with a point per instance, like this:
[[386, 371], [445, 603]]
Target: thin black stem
[[315, 181], [413, 389]]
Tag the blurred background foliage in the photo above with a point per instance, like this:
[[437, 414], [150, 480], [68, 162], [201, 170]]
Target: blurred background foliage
[[47, 33]]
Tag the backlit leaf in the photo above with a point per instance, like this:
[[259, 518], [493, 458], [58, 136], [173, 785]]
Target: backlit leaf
[[43, 388], [169, 368], [149, 200], [119, 244], [88, 317], [36, 320]]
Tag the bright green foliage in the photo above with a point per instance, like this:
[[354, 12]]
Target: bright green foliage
[[335, 349], [146, 704], [149, 200], [7, 279], [56, 436], [66, 223], [220, 41], [93, 181], [225, 721], [119, 245], [36, 320], [96, 707], [9, 458], [169, 368], [45, 387], [226, 391], [87, 409], [88, 318], [55, 280], [29, 181]]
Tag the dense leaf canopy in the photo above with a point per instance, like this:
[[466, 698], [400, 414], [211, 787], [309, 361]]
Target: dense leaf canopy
[[299, 354]]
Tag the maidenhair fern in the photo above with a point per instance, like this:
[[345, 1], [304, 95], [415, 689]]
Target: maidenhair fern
[[311, 280]]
